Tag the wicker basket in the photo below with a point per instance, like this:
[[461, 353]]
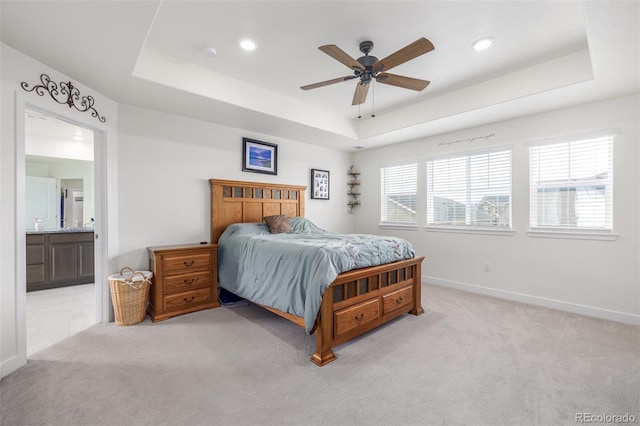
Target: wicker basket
[[129, 294]]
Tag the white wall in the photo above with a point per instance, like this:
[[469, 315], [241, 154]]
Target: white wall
[[599, 278], [165, 163], [61, 168], [15, 69]]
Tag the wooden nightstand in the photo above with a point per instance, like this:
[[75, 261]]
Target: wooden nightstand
[[185, 279]]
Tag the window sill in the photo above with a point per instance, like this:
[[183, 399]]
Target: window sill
[[470, 230], [573, 234], [405, 226]]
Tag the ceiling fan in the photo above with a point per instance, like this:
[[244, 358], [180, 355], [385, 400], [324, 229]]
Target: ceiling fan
[[368, 67]]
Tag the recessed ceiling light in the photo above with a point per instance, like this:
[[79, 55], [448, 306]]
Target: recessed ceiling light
[[483, 43], [247, 44], [210, 52]]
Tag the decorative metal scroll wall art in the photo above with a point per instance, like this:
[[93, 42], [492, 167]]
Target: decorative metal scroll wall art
[[68, 91]]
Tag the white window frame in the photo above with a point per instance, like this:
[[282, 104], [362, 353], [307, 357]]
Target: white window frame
[[391, 224], [504, 230], [566, 232]]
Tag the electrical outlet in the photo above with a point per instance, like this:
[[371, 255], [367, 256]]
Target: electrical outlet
[[487, 267]]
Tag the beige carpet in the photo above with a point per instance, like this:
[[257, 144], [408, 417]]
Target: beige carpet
[[470, 360]]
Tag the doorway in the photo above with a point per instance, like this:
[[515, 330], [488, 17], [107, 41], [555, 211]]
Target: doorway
[[59, 223]]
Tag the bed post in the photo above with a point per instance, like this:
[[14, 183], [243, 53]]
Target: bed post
[[324, 331], [417, 290]]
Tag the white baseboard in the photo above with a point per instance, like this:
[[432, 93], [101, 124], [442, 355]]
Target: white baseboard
[[538, 301], [9, 366]]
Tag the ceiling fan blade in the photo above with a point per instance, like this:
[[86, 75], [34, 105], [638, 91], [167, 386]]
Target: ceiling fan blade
[[413, 50], [341, 56], [328, 82], [402, 81], [361, 94]]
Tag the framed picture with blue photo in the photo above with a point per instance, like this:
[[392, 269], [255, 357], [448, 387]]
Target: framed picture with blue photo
[[259, 157]]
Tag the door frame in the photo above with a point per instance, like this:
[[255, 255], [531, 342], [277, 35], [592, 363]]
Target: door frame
[[102, 134]]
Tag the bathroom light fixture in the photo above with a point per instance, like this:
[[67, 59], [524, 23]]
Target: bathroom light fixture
[[35, 116], [78, 135], [247, 44], [483, 43]]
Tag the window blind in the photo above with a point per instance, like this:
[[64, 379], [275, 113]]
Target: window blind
[[470, 190], [398, 185], [571, 184]]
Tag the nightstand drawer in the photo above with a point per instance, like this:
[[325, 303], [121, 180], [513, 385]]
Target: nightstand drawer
[[185, 262], [187, 282], [192, 299]]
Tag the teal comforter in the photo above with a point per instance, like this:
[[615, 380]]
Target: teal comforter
[[291, 271]]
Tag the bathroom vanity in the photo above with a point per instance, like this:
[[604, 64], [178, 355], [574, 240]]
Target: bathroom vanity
[[59, 258]]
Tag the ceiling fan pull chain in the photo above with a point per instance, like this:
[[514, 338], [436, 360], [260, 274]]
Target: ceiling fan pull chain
[[373, 98], [359, 115]]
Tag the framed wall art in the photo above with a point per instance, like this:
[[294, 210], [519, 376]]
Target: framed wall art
[[259, 157], [319, 184]]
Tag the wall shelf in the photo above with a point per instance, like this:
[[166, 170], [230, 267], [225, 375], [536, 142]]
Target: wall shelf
[[353, 191]]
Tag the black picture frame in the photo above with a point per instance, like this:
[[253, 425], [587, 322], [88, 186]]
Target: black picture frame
[[259, 157], [319, 184]]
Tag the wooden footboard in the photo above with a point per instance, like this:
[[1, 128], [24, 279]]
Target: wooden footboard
[[361, 300]]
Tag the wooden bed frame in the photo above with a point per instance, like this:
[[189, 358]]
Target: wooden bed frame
[[357, 301]]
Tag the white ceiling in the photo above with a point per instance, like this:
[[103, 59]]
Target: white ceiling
[[547, 55], [49, 139], [41, 125]]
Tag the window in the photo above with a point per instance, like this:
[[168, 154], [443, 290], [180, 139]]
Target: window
[[398, 194], [470, 190], [571, 184]]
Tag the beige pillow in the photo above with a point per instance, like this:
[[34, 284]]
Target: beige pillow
[[278, 224]]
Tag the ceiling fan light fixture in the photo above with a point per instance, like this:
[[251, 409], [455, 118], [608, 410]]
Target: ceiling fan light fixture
[[482, 43], [248, 44], [369, 69]]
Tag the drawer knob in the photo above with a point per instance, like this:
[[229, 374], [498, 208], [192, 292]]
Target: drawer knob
[[359, 318], [191, 281], [189, 299], [399, 300], [190, 263]]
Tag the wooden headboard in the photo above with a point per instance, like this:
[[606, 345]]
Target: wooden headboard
[[234, 201]]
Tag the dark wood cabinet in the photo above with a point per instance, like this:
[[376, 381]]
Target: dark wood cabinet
[[63, 265], [86, 259], [59, 259], [36, 264]]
